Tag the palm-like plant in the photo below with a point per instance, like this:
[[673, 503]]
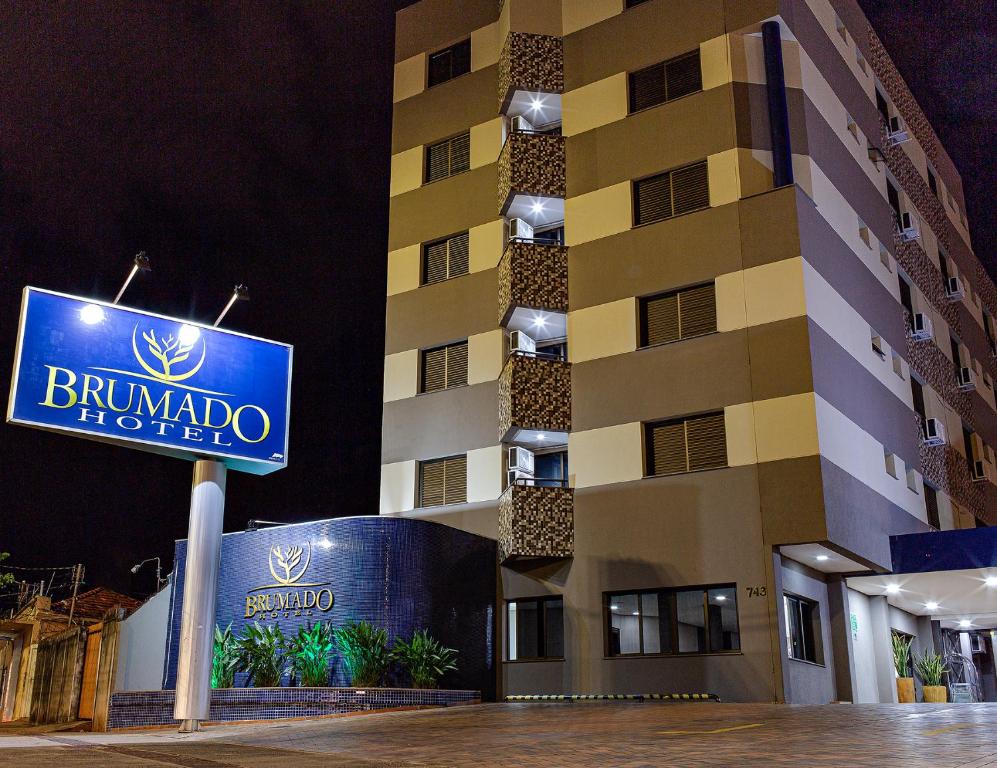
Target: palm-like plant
[[930, 668], [901, 654], [261, 655], [364, 649], [225, 660], [425, 659], [309, 654]]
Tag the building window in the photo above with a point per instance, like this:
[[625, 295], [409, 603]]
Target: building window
[[670, 621], [686, 445], [803, 629], [932, 183], [666, 81], [678, 315], [633, 3], [931, 505], [672, 193], [443, 367], [450, 63], [551, 469], [535, 628], [447, 158], [444, 259], [443, 481]]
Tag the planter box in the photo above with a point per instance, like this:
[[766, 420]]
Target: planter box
[[131, 709]]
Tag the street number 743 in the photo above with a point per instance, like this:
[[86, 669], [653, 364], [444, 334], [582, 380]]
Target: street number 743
[[757, 591]]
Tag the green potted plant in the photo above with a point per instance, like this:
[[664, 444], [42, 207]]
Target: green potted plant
[[364, 650], [308, 652], [225, 659], [901, 661], [930, 669], [426, 660], [261, 655]]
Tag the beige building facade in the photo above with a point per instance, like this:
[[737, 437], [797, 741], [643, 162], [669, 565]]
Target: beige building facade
[[682, 310]]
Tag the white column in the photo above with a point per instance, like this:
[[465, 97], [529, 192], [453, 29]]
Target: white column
[[197, 624]]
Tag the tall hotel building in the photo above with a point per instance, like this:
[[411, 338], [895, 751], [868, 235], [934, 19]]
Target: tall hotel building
[[682, 310]]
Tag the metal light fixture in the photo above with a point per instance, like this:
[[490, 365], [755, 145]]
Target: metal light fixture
[[160, 581]]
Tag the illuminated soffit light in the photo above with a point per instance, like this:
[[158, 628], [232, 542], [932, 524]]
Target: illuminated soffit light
[[931, 605], [189, 335], [965, 623], [892, 588], [990, 581], [822, 558], [92, 314]]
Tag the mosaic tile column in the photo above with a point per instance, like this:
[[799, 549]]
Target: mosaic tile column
[[534, 393], [533, 275], [531, 164], [530, 63], [536, 522]]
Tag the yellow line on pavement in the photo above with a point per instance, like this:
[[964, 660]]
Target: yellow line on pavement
[[948, 728], [715, 730]]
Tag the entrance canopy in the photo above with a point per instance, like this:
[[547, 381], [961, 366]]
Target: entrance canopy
[[949, 576]]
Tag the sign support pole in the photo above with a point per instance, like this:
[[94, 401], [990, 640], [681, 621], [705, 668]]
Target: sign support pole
[[197, 624]]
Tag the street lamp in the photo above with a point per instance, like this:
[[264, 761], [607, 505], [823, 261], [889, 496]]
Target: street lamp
[[159, 572]]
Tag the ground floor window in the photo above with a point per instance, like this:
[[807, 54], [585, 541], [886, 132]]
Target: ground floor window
[[671, 621], [535, 628], [803, 629]]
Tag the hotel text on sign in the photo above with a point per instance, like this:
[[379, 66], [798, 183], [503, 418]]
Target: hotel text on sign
[[150, 382]]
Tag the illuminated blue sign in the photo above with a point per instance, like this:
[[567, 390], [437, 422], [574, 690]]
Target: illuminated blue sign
[[145, 381]]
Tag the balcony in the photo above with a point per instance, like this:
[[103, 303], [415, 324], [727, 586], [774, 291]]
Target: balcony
[[530, 63], [945, 467], [536, 523], [531, 180], [534, 394], [532, 275]]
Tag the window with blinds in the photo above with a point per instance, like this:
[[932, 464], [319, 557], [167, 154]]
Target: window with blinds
[[671, 193], [446, 158], [449, 63], [444, 259], [444, 367], [443, 481], [678, 315], [686, 445], [666, 81]]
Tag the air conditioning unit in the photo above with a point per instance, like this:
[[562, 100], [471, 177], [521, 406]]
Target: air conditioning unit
[[953, 288], [979, 472], [922, 330], [520, 460], [934, 432], [898, 132], [967, 379], [520, 343], [908, 227], [520, 230], [520, 124]]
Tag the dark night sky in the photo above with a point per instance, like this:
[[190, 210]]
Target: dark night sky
[[249, 142]]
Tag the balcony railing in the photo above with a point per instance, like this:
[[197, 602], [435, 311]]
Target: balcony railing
[[534, 393], [536, 523]]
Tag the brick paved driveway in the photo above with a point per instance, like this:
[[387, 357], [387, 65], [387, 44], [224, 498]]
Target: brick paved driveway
[[589, 734]]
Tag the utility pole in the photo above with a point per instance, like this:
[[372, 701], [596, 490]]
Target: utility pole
[[77, 578]]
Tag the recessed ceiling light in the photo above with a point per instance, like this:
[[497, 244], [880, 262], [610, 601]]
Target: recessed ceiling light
[[931, 605], [822, 558], [91, 314], [892, 588], [537, 206], [540, 321], [965, 623], [536, 103], [541, 437], [990, 581]]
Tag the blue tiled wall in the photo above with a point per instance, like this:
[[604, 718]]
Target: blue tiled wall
[[398, 573]]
